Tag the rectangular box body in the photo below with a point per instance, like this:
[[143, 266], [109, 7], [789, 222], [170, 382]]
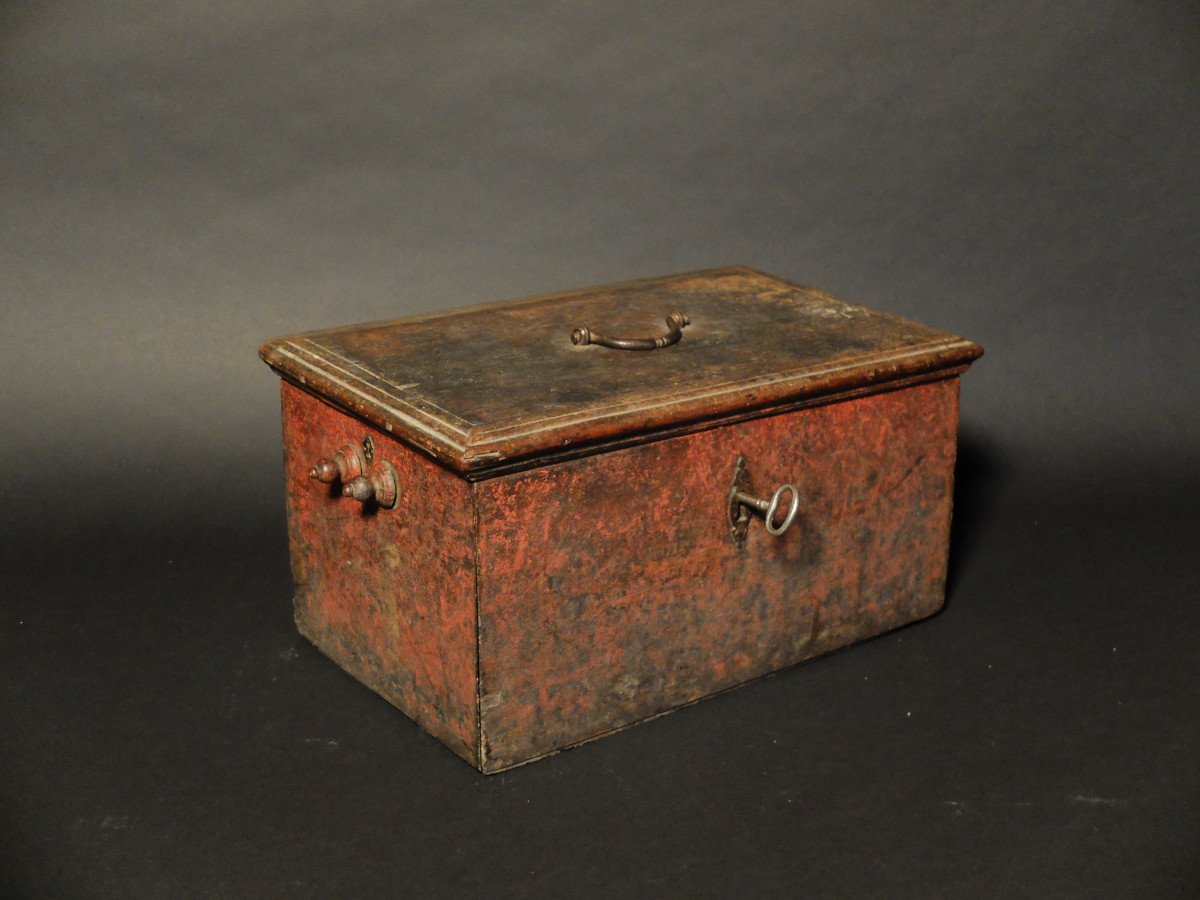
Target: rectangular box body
[[518, 610]]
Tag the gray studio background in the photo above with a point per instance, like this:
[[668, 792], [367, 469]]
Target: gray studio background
[[183, 180]]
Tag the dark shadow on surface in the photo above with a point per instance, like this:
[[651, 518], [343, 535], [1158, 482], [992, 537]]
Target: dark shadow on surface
[[979, 475], [14, 882]]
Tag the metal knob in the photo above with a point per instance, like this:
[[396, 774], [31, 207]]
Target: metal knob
[[378, 485]]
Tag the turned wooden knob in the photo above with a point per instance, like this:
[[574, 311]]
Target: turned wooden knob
[[379, 484], [326, 470], [360, 488], [348, 463]]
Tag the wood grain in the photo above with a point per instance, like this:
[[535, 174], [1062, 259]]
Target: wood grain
[[478, 389]]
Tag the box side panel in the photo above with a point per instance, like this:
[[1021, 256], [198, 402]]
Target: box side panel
[[611, 589], [388, 594]]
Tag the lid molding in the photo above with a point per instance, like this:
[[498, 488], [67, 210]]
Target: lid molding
[[481, 387]]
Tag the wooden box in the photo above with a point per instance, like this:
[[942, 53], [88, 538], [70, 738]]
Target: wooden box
[[533, 523]]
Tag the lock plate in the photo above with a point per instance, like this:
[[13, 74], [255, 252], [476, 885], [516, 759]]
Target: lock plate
[[737, 512]]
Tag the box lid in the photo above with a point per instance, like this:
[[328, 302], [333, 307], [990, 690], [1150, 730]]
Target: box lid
[[487, 387]]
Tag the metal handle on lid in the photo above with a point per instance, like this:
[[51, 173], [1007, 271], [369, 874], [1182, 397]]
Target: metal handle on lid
[[675, 325]]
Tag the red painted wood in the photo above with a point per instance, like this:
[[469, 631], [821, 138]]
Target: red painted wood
[[611, 591], [389, 594], [516, 615]]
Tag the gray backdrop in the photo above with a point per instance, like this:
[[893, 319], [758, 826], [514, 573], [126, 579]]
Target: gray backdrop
[[185, 180]]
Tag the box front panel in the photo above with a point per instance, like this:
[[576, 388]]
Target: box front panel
[[388, 594], [612, 590]]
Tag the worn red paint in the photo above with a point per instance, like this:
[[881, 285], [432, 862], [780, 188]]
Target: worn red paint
[[388, 594], [558, 563], [610, 589], [514, 615]]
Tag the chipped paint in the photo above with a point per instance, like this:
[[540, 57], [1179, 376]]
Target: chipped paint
[[517, 615], [610, 590]]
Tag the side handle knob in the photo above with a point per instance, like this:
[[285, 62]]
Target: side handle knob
[[345, 465], [325, 471], [378, 485]]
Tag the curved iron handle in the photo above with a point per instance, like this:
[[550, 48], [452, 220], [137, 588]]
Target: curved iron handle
[[675, 325]]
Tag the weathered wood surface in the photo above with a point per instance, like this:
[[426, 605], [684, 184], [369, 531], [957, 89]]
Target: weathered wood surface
[[520, 614], [558, 563], [610, 589], [389, 594], [484, 389]]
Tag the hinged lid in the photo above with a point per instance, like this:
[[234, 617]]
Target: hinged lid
[[483, 387]]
